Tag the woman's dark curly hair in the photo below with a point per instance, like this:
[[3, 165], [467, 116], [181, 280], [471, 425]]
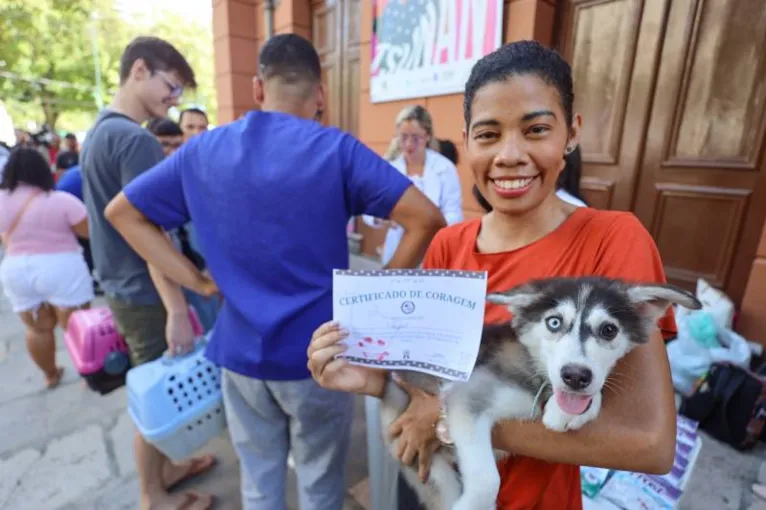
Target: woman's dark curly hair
[[26, 166], [517, 59]]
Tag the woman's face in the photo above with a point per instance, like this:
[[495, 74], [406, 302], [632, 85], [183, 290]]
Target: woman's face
[[516, 141], [413, 139]]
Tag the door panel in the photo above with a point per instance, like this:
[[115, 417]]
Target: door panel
[[336, 33], [352, 36], [326, 34], [613, 47], [702, 187]]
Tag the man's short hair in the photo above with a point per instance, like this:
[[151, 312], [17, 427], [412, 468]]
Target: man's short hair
[[191, 110], [70, 136], [291, 58], [164, 127], [158, 55]]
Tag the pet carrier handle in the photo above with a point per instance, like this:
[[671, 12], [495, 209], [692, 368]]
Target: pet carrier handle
[[199, 343]]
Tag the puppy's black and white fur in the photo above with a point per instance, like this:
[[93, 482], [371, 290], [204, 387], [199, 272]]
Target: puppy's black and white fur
[[554, 357]]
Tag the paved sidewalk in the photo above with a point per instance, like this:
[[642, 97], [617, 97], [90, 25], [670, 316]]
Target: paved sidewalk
[[71, 449]]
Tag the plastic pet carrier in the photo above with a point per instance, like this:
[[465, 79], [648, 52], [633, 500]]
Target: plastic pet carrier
[[176, 402], [97, 349]]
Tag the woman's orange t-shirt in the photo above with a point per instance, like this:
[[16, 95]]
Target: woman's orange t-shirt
[[589, 243]]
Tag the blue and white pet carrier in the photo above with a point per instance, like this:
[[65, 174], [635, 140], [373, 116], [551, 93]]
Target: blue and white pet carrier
[[176, 402]]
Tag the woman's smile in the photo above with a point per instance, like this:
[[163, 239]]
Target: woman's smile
[[513, 187]]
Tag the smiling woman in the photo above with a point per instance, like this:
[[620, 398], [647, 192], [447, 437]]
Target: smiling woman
[[520, 125]]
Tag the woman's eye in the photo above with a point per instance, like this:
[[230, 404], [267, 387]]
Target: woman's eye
[[486, 135], [553, 323], [608, 331], [539, 130]]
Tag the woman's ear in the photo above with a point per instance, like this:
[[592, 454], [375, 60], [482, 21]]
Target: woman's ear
[[574, 133]]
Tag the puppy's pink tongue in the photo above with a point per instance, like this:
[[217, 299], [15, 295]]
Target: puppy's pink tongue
[[572, 403]]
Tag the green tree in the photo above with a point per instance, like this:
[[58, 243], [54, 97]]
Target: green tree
[[48, 49], [46, 55]]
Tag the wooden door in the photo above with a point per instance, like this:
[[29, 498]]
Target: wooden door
[[336, 33], [613, 47], [702, 190], [672, 95]]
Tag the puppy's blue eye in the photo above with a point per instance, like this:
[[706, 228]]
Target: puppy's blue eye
[[554, 323]]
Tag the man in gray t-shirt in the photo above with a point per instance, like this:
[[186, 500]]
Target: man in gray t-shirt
[[150, 312], [118, 149]]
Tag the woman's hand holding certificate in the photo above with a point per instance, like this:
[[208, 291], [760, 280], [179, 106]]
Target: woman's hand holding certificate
[[335, 373]]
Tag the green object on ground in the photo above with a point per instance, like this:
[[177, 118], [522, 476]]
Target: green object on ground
[[703, 329]]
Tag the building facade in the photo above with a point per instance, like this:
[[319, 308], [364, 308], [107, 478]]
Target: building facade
[[673, 96]]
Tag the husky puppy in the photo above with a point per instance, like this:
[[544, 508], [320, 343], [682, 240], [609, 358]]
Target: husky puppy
[[553, 358]]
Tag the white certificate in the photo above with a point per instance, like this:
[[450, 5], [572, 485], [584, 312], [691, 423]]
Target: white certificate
[[412, 319]]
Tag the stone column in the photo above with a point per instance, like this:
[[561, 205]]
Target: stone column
[[529, 19], [293, 16], [238, 31], [752, 320]]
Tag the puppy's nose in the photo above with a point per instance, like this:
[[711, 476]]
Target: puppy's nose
[[577, 377]]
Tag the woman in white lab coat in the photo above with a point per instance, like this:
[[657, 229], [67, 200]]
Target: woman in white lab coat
[[413, 152]]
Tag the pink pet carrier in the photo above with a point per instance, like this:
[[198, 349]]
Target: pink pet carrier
[[98, 351]]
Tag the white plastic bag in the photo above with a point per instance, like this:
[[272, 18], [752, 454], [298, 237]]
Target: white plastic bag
[[689, 360]]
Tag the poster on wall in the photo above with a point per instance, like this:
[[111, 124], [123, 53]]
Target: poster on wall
[[428, 47]]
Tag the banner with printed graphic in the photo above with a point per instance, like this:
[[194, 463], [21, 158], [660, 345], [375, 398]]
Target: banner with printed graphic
[[428, 47]]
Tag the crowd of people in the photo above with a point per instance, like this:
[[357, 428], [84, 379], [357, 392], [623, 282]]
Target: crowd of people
[[246, 223]]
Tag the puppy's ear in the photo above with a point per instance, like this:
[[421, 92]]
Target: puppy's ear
[[516, 298], [654, 300]]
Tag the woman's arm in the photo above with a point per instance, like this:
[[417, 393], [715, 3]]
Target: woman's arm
[[635, 430]]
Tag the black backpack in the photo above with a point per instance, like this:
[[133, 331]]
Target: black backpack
[[729, 403]]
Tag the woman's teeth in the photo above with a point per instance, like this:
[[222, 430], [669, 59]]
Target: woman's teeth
[[513, 183]]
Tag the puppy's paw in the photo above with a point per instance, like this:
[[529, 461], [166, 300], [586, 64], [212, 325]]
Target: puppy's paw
[[578, 421], [554, 418]]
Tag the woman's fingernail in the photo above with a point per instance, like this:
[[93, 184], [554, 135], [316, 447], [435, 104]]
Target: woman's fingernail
[[343, 331]]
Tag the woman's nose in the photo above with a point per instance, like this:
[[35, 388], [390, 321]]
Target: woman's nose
[[511, 152]]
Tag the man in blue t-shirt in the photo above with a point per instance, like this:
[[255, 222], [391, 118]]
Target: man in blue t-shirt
[[270, 196], [71, 182]]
